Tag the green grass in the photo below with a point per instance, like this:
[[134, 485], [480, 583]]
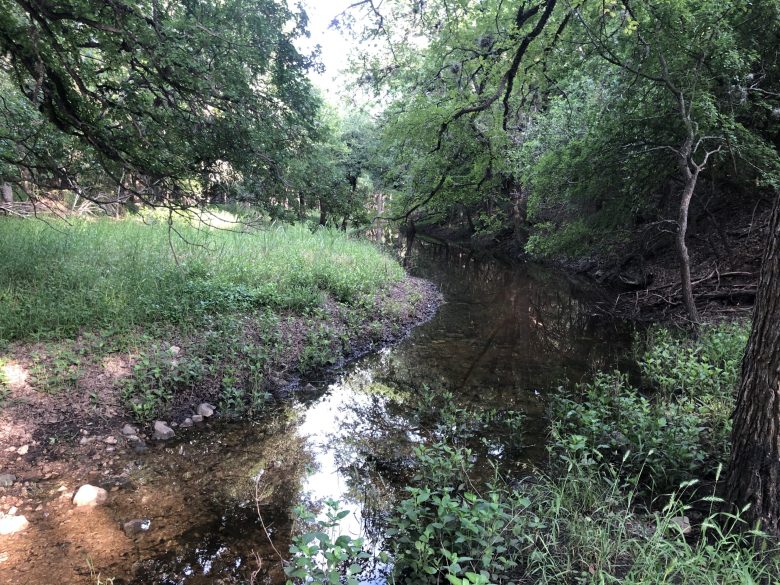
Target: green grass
[[59, 279]]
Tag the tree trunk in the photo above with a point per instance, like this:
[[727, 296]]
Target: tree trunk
[[754, 471], [301, 205], [323, 213], [682, 248], [8, 193]]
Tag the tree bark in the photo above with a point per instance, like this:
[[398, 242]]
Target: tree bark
[[8, 193], [323, 213], [682, 247], [754, 471]]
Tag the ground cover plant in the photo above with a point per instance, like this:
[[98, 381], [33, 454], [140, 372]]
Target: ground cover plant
[[629, 493], [192, 308]]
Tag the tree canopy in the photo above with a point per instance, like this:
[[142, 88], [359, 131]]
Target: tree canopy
[[164, 100]]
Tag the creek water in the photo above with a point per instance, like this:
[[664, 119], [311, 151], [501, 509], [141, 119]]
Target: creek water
[[503, 338]]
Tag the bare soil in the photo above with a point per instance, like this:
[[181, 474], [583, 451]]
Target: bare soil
[[54, 439]]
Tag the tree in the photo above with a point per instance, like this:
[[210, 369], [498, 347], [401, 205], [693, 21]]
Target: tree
[[690, 51], [754, 471], [165, 101], [455, 76]]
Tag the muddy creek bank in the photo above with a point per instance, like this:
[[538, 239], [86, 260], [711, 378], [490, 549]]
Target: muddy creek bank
[[503, 338]]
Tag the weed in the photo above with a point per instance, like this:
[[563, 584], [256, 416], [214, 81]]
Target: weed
[[55, 370], [319, 556], [318, 351], [157, 376]]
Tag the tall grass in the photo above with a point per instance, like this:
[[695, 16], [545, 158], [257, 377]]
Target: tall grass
[[57, 279]]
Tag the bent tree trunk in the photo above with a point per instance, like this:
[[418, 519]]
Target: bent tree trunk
[[682, 248], [754, 471]]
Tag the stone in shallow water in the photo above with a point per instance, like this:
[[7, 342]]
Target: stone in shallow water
[[187, 422], [162, 432], [13, 524], [205, 409], [197, 418], [90, 495], [136, 526]]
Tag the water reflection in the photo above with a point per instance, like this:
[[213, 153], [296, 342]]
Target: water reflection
[[504, 336]]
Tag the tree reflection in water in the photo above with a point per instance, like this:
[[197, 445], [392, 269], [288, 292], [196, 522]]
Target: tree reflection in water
[[505, 336]]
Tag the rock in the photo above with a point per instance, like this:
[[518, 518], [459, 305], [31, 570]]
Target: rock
[[309, 389], [187, 422], [197, 418], [129, 430], [683, 523], [280, 382], [7, 479], [110, 441], [205, 410], [139, 446], [162, 432], [90, 495], [23, 450], [174, 350], [133, 527], [13, 524]]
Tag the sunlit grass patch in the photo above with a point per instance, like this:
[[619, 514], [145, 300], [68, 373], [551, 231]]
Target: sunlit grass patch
[[56, 280]]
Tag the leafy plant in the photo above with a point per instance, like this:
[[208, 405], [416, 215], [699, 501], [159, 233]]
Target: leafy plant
[[318, 351], [319, 556], [157, 376]]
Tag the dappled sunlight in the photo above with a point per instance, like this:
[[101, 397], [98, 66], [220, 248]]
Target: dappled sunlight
[[116, 367], [14, 375]]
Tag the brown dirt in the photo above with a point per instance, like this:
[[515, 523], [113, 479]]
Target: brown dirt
[[54, 438], [725, 262]]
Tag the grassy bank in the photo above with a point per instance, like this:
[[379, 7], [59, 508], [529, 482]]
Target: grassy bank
[[629, 493], [57, 280], [188, 312]]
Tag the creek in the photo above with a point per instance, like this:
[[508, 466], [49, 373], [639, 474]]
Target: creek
[[219, 499], [504, 337]]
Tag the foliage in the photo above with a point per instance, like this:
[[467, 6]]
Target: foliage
[[664, 437], [216, 311], [568, 120], [680, 431], [582, 524], [320, 557], [163, 102], [708, 365], [318, 351], [157, 376], [56, 280]]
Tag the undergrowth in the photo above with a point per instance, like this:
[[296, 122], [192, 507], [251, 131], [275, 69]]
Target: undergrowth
[[56, 280], [218, 311], [628, 494]]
